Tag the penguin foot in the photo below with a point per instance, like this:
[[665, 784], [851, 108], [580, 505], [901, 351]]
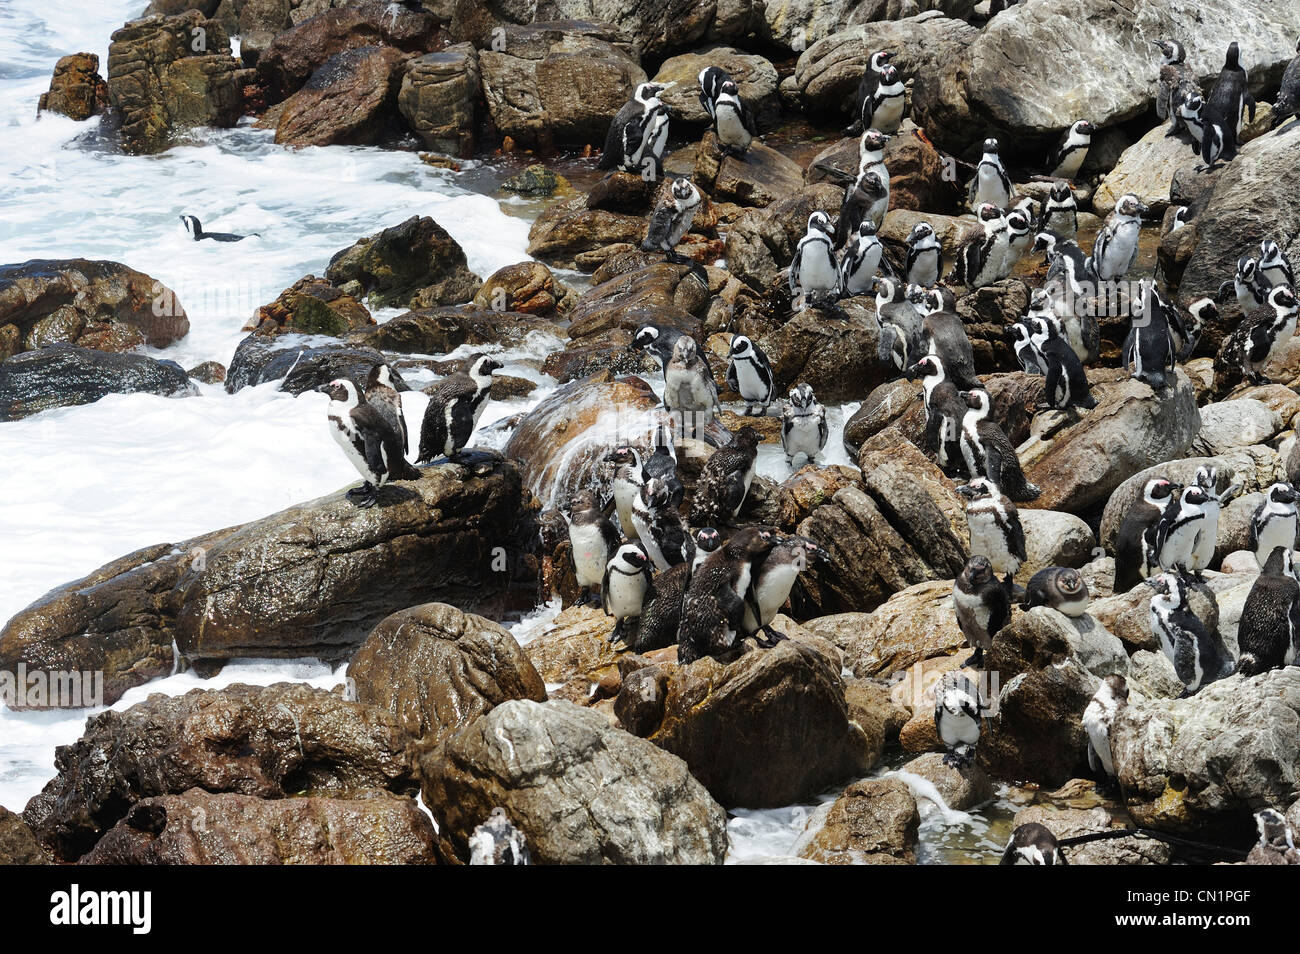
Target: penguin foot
[[365, 496], [617, 634], [770, 637], [976, 659], [584, 599]]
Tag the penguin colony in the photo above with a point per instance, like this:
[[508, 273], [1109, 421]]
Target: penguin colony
[[696, 574]]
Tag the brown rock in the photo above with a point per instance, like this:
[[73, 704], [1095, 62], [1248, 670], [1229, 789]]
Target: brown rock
[[76, 89], [758, 178], [350, 99], [311, 306], [528, 288], [413, 264], [18, 845], [873, 822]]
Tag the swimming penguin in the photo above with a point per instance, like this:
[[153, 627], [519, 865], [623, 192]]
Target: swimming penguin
[[862, 100], [983, 605], [671, 220], [958, 710], [1246, 351], [994, 525], [1060, 587], [498, 842], [1177, 83], [862, 258], [803, 425], [1149, 347], [866, 201], [772, 577], [714, 606], [1067, 384], [989, 452], [194, 229], [1069, 156], [1227, 104], [688, 383], [980, 255], [594, 541], [814, 271], [1246, 283], [1032, 844], [1268, 636], [1276, 845], [624, 586], [733, 121], [1130, 561], [455, 405], [944, 411], [711, 79], [1116, 247], [885, 111], [1173, 538], [1060, 213], [1274, 267], [369, 442], [724, 482], [638, 134], [383, 397], [749, 374], [1099, 718], [660, 528], [1274, 522], [1199, 658], [902, 330], [991, 185], [924, 256]]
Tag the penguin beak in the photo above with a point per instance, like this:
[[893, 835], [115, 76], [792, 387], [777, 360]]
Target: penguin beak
[[966, 490]]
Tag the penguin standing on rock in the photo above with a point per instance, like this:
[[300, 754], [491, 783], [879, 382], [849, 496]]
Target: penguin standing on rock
[[1274, 266], [733, 121], [688, 382], [945, 336], [369, 441], [814, 271], [771, 580], [862, 258], [1098, 720], [1274, 522], [1247, 350], [866, 201], [626, 484], [1020, 336], [714, 606], [1032, 844], [924, 256], [1268, 635], [803, 425], [991, 185], [671, 220], [1172, 541], [1069, 156], [638, 134], [1130, 560], [944, 411], [994, 524], [711, 79], [498, 842], [1116, 247], [1177, 83], [749, 374], [455, 405], [624, 586], [1149, 347], [1061, 588], [1060, 212], [1199, 657], [660, 528], [983, 606], [980, 255], [658, 342], [1067, 384], [902, 331], [1207, 478], [958, 710], [1251, 292], [724, 482], [887, 101], [594, 541], [382, 395], [1228, 103], [989, 452], [661, 612], [863, 98]]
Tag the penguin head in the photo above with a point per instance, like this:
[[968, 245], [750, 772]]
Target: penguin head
[[1130, 205], [645, 336], [747, 438], [884, 288], [1158, 490], [752, 542], [867, 227], [1269, 252], [1246, 268], [1061, 192], [1203, 312], [1017, 333], [708, 539], [684, 349], [869, 184], [1193, 104], [583, 500], [655, 493], [632, 555], [1045, 241], [921, 232], [626, 454], [1171, 50], [978, 489], [1232, 61], [925, 367], [1040, 300], [873, 140], [647, 94], [343, 391], [1171, 591], [1018, 221], [976, 400], [1280, 562], [192, 227], [988, 212], [1281, 493], [741, 346], [483, 365], [380, 376], [729, 88], [1282, 298], [802, 396], [684, 190], [880, 59], [990, 147], [1207, 477], [889, 75], [1083, 129], [1071, 584], [1194, 497], [978, 571], [820, 221]]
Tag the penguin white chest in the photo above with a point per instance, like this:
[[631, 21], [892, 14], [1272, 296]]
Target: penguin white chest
[[1279, 530], [889, 113], [988, 538], [589, 555], [731, 131], [624, 493], [626, 594], [817, 267], [348, 439], [753, 386], [803, 436], [973, 608]]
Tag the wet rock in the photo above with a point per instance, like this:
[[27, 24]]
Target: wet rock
[[766, 730], [208, 372], [1227, 425], [263, 741], [755, 78], [1146, 169], [18, 845], [440, 330], [295, 54], [898, 403], [201, 828], [758, 178], [1209, 762], [528, 288], [575, 644], [436, 669], [582, 791], [160, 85], [63, 375], [641, 698], [1072, 822], [1131, 428], [568, 229], [803, 492], [415, 263], [873, 822], [914, 624], [961, 789], [94, 304], [311, 306], [537, 180], [304, 367], [762, 241], [836, 357], [349, 100], [76, 89], [439, 98]]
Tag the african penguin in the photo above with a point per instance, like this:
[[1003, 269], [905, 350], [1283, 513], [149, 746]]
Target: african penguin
[[1227, 104], [1177, 82], [958, 709], [688, 383], [772, 578], [1274, 522], [638, 134], [1246, 351], [989, 452], [994, 525], [1099, 717], [1246, 283], [902, 331], [661, 612], [593, 539], [1287, 103], [662, 463], [382, 395], [1149, 347], [991, 185], [980, 254], [369, 441], [1069, 156], [1172, 540], [1020, 336], [1020, 235], [1274, 266], [1060, 212], [983, 605], [1268, 635], [624, 586], [862, 100], [945, 336], [1032, 844], [866, 201], [711, 79], [724, 482], [713, 608], [1116, 246], [887, 101], [749, 374], [194, 229], [1067, 384], [733, 121], [1199, 657], [924, 256], [803, 425], [862, 258], [626, 484], [1200, 313], [455, 405], [814, 271], [498, 842], [944, 411], [1060, 587], [671, 220], [660, 527], [707, 540], [1130, 560], [1276, 845]]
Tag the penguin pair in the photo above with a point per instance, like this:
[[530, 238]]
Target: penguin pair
[[1225, 109], [864, 97], [631, 474], [902, 329], [658, 600], [658, 341], [638, 134], [1066, 383], [1177, 84], [368, 439], [1171, 542], [1199, 656], [749, 374], [868, 196], [1249, 286], [713, 608], [1246, 351], [1130, 544], [803, 426]]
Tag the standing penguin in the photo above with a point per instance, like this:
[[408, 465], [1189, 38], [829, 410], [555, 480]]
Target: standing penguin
[[638, 134], [1020, 234], [924, 256], [714, 606], [660, 528], [1130, 562], [1172, 541], [1116, 247], [724, 482], [814, 271], [994, 524], [862, 99], [688, 382], [945, 336], [1199, 657], [594, 541], [1020, 336], [1251, 292], [1060, 212], [1032, 844], [1274, 266], [1176, 84], [1069, 156], [1276, 845], [624, 586], [989, 452], [626, 484], [771, 579], [803, 425], [991, 185], [1228, 103], [1189, 114], [749, 374], [862, 257], [1200, 314], [1287, 103], [1207, 478], [711, 79], [382, 395], [1253, 342], [1268, 635], [1061, 588], [958, 710], [1067, 384], [866, 201], [498, 842], [368, 440], [455, 405], [885, 111], [980, 254], [944, 411], [1099, 718], [1274, 522], [733, 121], [1149, 347], [671, 220], [983, 606], [902, 331]]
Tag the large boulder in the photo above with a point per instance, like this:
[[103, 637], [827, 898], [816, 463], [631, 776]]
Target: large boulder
[[414, 263], [762, 241], [582, 791], [1228, 425], [312, 580], [755, 77], [303, 366], [440, 330], [758, 178], [436, 669], [18, 844], [310, 306], [1073, 822], [66, 376], [439, 98], [76, 89], [202, 828], [265, 741], [95, 304], [920, 179], [837, 358], [351, 99], [767, 730], [167, 74], [873, 822], [1145, 169], [1209, 762]]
